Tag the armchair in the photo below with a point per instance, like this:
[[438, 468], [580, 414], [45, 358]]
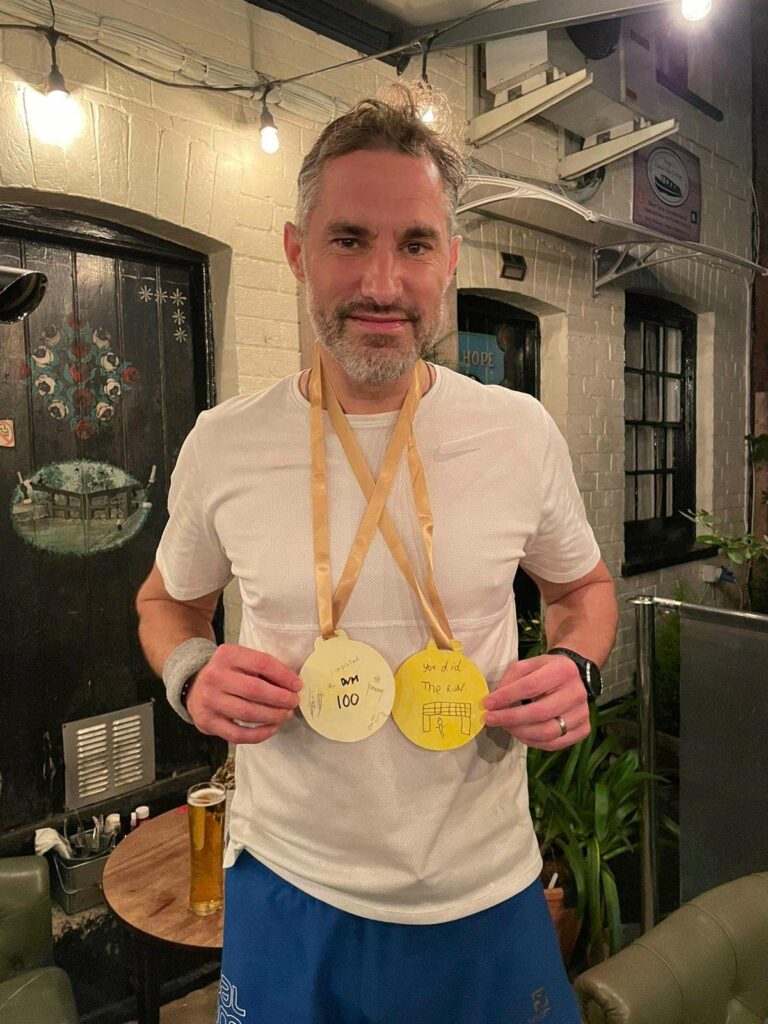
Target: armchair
[[31, 988], [707, 963]]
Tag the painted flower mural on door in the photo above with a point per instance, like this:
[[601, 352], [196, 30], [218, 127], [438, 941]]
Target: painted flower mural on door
[[77, 374]]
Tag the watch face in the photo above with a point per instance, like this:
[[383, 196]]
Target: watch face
[[592, 679], [588, 670]]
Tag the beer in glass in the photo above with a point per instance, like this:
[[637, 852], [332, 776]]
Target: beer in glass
[[206, 803]]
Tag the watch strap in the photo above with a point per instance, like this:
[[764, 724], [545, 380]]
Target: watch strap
[[584, 666], [180, 668]]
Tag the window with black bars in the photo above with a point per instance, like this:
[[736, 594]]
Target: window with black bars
[[659, 413]]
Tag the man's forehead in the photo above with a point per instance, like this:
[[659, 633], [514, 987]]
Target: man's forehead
[[362, 161], [387, 174], [361, 186]]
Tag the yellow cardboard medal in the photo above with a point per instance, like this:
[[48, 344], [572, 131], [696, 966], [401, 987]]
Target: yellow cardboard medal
[[437, 698], [348, 689]]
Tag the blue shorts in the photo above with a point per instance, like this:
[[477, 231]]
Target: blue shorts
[[291, 959]]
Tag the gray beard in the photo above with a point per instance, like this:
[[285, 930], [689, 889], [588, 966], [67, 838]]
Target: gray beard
[[371, 359]]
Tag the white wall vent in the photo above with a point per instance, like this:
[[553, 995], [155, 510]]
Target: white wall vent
[[108, 755]]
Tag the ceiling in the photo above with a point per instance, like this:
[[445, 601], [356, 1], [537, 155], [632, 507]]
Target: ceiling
[[420, 13], [372, 26]]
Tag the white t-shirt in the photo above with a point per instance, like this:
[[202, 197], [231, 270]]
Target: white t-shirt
[[381, 828]]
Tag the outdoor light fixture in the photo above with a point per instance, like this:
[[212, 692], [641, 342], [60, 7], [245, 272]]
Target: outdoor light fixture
[[513, 267], [54, 116], [695, 10], [21, 291], [270, 142], [426, 97]]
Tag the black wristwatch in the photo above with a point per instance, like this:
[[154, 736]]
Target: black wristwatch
[[588, 670]]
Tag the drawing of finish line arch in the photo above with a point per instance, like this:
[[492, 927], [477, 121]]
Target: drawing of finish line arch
[[438, 709]]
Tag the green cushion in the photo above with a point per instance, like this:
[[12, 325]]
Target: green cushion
[[25, 915], [43, 996]]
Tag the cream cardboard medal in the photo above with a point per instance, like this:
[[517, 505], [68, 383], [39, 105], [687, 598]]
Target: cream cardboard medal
[[348, 689]]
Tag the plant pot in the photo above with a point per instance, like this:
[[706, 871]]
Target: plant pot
[[567, 925]]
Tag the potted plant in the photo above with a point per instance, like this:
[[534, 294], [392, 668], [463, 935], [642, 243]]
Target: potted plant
[[585, 804], [748, 552]]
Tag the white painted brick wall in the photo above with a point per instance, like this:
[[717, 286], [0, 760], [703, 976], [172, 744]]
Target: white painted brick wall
[[193, 161]]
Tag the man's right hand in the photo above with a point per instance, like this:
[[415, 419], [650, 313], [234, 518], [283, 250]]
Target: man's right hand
[[242, 685]]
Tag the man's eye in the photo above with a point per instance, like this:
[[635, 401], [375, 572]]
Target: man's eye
[[345, 243], [416, 248]]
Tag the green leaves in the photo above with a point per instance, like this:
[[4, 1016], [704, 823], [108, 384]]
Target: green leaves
[[739, 548], [758, 448], [585, 804]]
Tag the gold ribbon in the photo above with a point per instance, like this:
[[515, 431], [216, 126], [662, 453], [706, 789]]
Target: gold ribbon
[[376, 515], [331, 605]]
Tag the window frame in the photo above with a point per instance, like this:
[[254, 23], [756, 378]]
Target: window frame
[[661, 541]]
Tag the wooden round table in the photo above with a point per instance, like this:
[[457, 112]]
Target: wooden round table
[[146, 886]]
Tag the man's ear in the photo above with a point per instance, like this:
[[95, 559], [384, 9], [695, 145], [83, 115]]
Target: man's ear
[[292, 247]]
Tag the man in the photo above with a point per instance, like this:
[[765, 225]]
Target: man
[[379, 881]]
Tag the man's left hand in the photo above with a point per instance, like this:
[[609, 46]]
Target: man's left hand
[[554, 688]]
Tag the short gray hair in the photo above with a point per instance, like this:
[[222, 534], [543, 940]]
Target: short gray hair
[[373, 124]]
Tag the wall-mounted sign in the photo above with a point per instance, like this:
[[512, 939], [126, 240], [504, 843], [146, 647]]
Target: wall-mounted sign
[[480, 357], [667, 194]]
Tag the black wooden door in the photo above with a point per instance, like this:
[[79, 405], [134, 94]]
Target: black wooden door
[[499, 344], [98, 388]]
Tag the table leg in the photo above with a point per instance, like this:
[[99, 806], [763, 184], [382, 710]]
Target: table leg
[[147, 981]]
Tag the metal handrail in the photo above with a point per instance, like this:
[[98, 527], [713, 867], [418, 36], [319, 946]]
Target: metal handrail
[[645, 646]]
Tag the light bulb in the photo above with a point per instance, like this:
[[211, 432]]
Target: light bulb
[[428, 116], [270, 141], [695, 10], [56, 102], [54, 118]]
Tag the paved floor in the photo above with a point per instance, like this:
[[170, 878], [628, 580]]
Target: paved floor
[[196, 1008]]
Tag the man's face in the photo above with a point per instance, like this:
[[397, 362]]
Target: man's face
[[376, 258]]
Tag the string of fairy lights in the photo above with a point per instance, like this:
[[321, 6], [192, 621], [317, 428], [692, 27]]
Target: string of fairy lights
[[58, 117]]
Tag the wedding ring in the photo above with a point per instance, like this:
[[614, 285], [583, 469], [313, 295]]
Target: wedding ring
[[563, 727]]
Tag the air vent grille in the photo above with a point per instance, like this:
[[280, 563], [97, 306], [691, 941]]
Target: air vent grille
[[108, 755]]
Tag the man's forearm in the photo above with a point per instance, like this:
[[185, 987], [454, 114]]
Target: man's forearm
[[584, 621], [164, 624]]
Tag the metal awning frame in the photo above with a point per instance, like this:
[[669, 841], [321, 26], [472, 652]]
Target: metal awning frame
[[624, 261], [626, 249]]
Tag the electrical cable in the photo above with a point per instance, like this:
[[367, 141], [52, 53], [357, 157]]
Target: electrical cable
[[468, 17], [63, 37], [244, 87], [349, 63], [425, 43]]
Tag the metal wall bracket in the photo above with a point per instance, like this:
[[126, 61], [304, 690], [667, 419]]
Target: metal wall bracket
[[493, 123], [592, 157]]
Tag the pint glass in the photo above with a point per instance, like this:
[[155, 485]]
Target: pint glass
[[206, 802]]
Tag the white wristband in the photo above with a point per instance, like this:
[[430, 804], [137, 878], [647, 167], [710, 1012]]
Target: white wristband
[[188, 658]]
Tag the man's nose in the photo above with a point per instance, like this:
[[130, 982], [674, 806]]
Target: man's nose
[[381, 277]]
